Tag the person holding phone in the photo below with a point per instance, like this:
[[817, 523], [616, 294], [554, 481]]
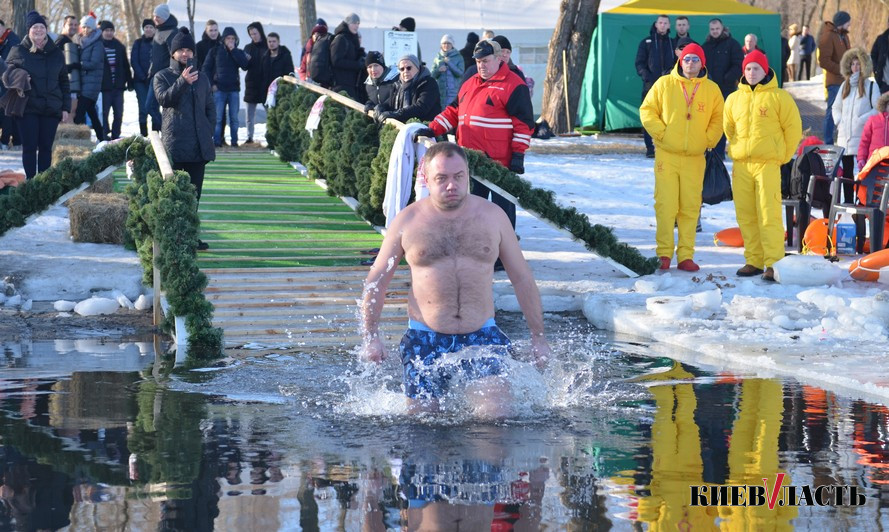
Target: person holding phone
[[187, 102]]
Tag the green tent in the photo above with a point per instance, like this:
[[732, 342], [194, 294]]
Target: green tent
[[612, 91]]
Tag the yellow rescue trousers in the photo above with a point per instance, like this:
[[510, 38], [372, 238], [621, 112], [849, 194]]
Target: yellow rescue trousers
[[756, 188], [678, 182]]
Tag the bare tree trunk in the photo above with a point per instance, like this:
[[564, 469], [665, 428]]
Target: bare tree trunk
[[189, 8], [307, 17], [20, 9], [573, 33]]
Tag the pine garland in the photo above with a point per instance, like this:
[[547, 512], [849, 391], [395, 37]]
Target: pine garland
[[329, 159]]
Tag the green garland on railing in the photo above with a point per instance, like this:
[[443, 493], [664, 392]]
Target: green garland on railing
[[371, 189], [166, 211], [353, 163], [37, 194], [325, 148]]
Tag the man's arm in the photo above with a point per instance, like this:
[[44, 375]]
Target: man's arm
[[523, 283], [375, 285]]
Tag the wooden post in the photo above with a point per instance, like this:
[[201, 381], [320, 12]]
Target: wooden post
[[156, 283], [166, 169]]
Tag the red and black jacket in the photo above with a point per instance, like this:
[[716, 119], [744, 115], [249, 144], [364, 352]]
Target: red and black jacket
[[493, 115]]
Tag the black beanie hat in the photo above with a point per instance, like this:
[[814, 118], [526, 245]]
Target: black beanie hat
[[503, 42], [147, 22], [409, 24], [182, 39], [106, 25], [375, 58], [33, 17]]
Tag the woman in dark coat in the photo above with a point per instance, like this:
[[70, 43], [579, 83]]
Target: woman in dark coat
[[189, 114], [416, 94], [345, 56], [48, 99], [380, 83], [254, 90], [277, 62]]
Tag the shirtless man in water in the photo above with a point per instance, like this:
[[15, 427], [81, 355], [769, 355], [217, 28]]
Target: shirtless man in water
[[451, 241]]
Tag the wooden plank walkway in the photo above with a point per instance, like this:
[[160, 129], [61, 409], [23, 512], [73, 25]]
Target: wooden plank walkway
[[284, 260]]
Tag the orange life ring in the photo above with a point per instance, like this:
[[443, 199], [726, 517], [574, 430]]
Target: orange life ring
[[868, 268], [729, 237], [815, 237]]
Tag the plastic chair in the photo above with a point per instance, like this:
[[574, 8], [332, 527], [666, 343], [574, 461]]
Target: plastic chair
[[872, 191], [819, 165]]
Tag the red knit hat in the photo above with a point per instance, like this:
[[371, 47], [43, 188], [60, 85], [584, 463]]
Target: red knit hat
[[756, 57], [694, 49]]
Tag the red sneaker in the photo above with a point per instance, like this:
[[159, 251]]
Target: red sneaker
[[665, 263], [688, 265]]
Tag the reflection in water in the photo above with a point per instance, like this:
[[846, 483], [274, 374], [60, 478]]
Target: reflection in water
[[619, 446]]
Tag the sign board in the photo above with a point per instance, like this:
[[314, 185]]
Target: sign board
[[397, 44]]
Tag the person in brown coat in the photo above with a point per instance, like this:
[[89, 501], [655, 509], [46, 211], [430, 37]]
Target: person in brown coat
[[832, 44]]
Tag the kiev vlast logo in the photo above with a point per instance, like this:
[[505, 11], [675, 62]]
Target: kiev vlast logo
[[776, 494]]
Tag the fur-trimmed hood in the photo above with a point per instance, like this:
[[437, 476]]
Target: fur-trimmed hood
[[867, 65], [883, 103]]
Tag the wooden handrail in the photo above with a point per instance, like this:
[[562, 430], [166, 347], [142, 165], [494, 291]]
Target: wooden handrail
[[352, 104], [166, 170], [160, 153]]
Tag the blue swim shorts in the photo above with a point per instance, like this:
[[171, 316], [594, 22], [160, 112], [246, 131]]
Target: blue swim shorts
[[421, 347]]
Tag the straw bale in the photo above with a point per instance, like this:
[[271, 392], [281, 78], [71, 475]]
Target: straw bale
[[73, 131], [98, 218], [74, 148], [102, 186]]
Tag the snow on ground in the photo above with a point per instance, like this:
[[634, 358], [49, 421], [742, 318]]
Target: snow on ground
[[834, 336]]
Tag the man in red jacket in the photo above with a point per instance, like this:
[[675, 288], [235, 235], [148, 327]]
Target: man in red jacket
[[493, 114]]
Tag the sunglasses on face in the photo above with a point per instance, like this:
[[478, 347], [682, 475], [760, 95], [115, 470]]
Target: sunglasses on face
[[405, 69], [691, 59]]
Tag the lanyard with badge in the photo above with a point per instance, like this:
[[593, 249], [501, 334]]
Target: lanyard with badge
[[689, 101]]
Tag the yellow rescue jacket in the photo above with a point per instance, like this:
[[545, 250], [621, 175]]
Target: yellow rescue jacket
[[762, 125], [677, 127]]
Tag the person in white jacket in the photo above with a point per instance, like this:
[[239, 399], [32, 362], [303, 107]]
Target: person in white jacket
[[794, 41], [855, 103]]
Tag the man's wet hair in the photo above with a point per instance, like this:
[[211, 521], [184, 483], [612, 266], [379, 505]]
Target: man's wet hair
[[449, 149]]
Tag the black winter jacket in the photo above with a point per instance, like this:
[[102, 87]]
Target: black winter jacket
[[879, 54], [203, 48], [274, 67], [380, 90], [654, 58], [345, 58], [140, 58], [160, 48], [122, 75], [418, 98], [724, 59], [49, 94], [254, 91], [221, 66], [189, 115]]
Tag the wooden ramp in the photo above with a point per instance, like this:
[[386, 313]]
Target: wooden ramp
[[284, 263]]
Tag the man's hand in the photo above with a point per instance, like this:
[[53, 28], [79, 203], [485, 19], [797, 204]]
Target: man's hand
[[373, 350], [380, 118], [540, 350], [369, 106], [443, 68], [424, 132], [65, 116], [517, 163], [189, 75]]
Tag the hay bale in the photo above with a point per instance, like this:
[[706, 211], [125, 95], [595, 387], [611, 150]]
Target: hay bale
[[102, 186], [76, 149], [73, 131], [98, 218]]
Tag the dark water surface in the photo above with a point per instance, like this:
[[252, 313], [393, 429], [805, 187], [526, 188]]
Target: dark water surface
[[97, 437]]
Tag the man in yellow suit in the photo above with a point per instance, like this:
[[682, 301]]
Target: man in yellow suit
[[763, 127], [683, 114]]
